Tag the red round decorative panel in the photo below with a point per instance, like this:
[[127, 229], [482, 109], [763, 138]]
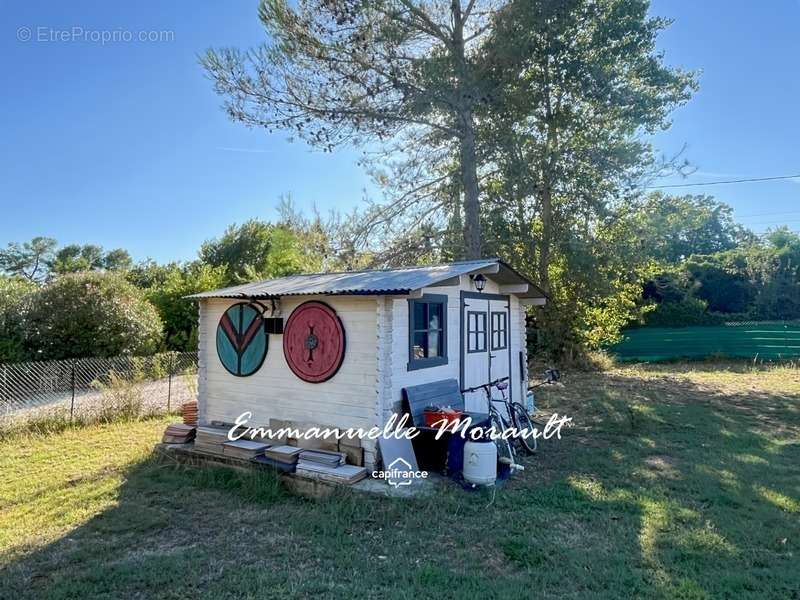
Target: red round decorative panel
[[313, 342]]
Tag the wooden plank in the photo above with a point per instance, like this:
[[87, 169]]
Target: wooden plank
[[355, 456], [347, 474], [350, 383], [262, 407], [446, 282], [416, 398], [261, 413], [434, 389], [315, 443], [516, 288], [274, 426]]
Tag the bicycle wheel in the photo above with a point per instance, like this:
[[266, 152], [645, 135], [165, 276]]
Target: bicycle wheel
[[505, 451], [523, 423]]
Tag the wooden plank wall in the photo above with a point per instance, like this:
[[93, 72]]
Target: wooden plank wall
[[519, 344], [400, 375], [349, 399]]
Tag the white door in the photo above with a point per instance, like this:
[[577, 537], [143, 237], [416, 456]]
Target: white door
[[484, 351], [499, 364]]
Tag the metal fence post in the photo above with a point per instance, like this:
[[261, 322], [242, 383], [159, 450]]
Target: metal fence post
[[172, 357], [6, 397], [72, 402]]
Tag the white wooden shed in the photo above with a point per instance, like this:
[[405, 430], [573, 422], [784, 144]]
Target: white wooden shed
[[364, 336]]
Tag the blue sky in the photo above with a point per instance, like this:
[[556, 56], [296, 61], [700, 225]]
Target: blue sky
[[124, 144]]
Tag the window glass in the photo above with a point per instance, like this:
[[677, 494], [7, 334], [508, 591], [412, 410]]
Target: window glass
[[476, 332], [499, 331], [428, 332], [434, 316], [433, 344], [420, 346], [420, 310]]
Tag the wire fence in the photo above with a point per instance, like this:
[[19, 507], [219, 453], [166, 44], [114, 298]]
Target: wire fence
[[88, 388]]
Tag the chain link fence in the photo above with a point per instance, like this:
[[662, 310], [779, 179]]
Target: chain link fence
[[92, 388]]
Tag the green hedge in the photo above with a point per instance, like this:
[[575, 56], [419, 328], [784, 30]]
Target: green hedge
[[687, 312]]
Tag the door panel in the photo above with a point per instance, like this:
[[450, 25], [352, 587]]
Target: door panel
[[499, 365], [475, 351], [498, 340], [484, 353]]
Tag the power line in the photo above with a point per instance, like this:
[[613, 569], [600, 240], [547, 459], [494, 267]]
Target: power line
[[783, 222], [749, 180], [783, 212]]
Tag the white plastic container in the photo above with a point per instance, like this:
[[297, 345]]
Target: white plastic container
[[480, 462]]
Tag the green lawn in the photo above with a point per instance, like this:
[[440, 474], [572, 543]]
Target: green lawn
[[677, 481]]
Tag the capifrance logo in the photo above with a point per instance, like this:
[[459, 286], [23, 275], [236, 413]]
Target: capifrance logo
[[399, 473]]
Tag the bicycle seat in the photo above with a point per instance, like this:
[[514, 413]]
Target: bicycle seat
[[503, 385]]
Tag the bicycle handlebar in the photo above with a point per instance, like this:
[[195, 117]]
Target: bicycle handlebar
[[484, 386], [550, 376]]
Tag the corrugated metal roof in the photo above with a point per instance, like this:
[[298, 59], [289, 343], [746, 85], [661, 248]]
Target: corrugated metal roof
[[375, 282]]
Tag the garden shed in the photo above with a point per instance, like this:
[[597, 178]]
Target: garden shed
[[337, 349]]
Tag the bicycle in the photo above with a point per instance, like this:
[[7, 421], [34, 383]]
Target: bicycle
[[505, 448], [520, 418]]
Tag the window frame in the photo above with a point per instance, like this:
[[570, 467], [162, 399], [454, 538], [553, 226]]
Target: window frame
[[415, 363], [476, 332], [504, 315]]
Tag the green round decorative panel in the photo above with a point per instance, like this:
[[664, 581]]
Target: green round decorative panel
[[241, 339]]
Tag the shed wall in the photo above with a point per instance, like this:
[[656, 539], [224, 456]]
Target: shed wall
[[349, 399], [368, 387], [397, 364]]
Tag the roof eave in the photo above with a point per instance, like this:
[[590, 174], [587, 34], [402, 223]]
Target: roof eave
[[503, 273], [243, 296]]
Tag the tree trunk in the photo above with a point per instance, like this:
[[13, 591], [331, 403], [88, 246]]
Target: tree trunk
[[547, 229], [469, 178], [546, 195], [468, 158]]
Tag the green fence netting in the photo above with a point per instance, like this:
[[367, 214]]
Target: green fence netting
[[768, 340]]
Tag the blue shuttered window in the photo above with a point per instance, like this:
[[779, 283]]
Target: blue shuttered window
[[427, 331]]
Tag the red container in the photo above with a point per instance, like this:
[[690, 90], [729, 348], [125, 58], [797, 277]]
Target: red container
[[439, 417]]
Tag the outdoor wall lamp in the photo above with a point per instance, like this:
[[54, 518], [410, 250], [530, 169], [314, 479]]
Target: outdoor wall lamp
[[274, 322], [480, 282]]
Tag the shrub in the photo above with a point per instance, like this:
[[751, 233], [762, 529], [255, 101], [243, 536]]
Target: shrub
[[719, 280], [92, 314], [15, 297], [167, 287], [255, 250], [687, 312]]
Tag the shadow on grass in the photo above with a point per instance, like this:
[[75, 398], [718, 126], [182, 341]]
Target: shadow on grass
[[144, 545], [676, 490], [663, 489]]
